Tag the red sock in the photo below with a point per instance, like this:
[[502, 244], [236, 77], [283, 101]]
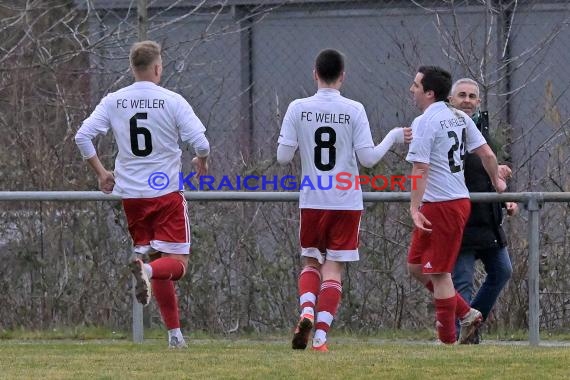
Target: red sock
[[165, 296], [445, 319], [167, 268], [327, 304], [308, 285], [462, 307]]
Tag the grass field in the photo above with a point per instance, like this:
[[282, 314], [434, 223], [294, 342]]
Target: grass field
[[272, 358]]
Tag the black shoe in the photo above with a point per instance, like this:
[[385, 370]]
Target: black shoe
[[302, 332]]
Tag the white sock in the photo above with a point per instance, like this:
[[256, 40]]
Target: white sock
[[319, 338], [148, 270], [175, 332], [308, 310]]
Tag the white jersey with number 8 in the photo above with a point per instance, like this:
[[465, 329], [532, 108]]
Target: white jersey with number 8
[[328, 128]]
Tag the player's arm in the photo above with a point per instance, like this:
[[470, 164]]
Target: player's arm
[[96, 124], [285, 153], [368, 157], [201, 146], [476, 143], [420, 172], [288, 141], [105, 178], [192, 132], [419, 155], [489, 161]]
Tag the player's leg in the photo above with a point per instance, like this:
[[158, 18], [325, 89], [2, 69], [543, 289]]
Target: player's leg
[[438, 254], [342, 228], [163, 277], [416, 271], [172, 239], [328, 301], [420, 245], [308, 286], [309, 280], [453, 217], [445, 306], [137, 212], [450, 306]]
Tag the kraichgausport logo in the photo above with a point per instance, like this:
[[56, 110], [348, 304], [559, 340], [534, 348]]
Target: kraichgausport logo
[[340, 181]]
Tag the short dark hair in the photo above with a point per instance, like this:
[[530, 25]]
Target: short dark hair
[[437, 80], [329, 65]]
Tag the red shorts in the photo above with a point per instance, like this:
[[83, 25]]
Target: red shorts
[[330, 233], [437, 251], [159, 224]]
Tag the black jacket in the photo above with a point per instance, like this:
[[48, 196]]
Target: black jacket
[[484, 226]]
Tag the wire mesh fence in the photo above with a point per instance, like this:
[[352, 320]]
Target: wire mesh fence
[[240, 63]]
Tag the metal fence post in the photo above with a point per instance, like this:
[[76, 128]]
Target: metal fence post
[[533, 206], [138, 328]]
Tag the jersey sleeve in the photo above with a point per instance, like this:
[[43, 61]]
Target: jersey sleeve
[[474, 138], [422, 141], [288, 135], [190, 127], [98, 123], [362, 137]]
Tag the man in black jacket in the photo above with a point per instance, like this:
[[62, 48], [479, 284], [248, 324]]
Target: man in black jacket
[[483, 237]]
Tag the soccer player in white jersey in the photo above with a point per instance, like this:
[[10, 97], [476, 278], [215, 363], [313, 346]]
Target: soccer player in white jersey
[[328, 129], [440, 202], [147, 121]]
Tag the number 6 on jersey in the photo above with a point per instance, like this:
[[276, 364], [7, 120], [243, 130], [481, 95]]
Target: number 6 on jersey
[[135, 132]]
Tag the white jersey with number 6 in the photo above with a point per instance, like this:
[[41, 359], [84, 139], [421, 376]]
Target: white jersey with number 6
[[441, 135], [147, 121], [328, 128]]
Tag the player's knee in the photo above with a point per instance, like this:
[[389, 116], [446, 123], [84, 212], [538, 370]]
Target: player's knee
[[184, 263], [311, 262], [182, 260], [154, 256]]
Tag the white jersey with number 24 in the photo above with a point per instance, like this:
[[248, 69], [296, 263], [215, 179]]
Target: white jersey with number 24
[[441, 135]]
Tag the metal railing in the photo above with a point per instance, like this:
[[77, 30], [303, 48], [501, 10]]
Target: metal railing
[[532, 201]]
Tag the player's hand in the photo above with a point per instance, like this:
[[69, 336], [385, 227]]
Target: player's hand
[[420, 221], [201, 165], [505, 173], [407, 135], [401, 135], [500, 185], [512, 208], [106, 182]]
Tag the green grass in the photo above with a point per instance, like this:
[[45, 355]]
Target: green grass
[[272, 358]]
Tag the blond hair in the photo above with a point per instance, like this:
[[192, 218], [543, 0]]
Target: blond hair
[[143, 54]]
